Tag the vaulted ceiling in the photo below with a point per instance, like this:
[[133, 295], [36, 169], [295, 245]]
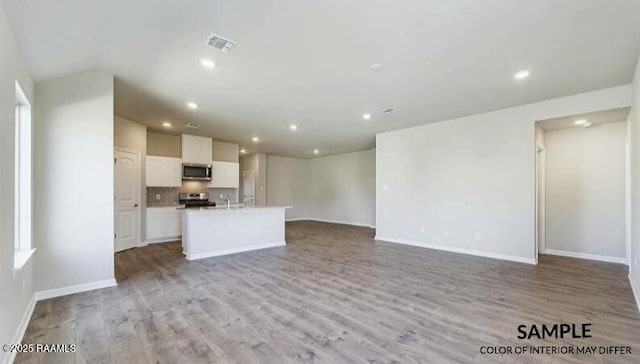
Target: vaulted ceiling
[[308, 62]]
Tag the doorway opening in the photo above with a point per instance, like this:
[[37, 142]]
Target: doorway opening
[[581, 185]]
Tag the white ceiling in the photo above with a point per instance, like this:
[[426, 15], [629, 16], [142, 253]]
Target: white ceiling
[[307, 62], [595, 118]]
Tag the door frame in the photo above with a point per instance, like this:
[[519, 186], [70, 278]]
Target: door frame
[[627, 187], [138, 232], [540, 195]]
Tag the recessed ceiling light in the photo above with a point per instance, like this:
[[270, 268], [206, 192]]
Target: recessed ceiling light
[[243, 150], [376, 67], [316, 151], [255, 139], [207, 63], [166, 124], [366, 116], [192, 105], [580, 122], [293, 127], [521, 75]]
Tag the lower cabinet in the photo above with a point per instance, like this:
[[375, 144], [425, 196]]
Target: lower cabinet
[[163, 224]]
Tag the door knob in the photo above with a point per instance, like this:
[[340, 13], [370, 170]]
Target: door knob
[[135, 205]]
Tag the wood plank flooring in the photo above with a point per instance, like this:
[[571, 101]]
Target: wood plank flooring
[[334, 295]]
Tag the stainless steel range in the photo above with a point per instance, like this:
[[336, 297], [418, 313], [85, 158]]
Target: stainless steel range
[[195, 200]]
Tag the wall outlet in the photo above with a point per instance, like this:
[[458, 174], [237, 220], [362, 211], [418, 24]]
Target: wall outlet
[[445, 232], [478, 236], [157, 196], [222, 196], [422, 230]]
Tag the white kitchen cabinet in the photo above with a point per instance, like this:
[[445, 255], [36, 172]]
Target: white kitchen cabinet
[[164, 172], [163, 224], [225, 175], [196, 149]]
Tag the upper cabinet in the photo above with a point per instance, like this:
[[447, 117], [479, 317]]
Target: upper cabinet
[[225, 175], [226, 152], [196, 149], [164, 172]]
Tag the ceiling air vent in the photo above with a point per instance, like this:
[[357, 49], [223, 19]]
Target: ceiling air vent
[[218, 42], [193, 125]]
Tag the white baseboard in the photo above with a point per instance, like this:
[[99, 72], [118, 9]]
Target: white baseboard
[[635, 288], [479, 253], [235, 250], [332, 222], [63, 291], [22, 328], [602, 258]]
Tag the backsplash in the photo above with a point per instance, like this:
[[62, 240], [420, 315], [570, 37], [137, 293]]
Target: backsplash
[[168, 196]]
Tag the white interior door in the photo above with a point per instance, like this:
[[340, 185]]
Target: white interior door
[[248, 186], [127, 199]]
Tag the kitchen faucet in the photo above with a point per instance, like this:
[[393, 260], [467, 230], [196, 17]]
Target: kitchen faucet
[[228, 200]]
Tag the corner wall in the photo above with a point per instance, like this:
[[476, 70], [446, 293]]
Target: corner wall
[[73, 182], [17, 290], [468, 184]]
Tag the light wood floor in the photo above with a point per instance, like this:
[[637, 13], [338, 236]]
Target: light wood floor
[[333, 295]]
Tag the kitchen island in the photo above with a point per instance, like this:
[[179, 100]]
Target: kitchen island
[[213, 231]]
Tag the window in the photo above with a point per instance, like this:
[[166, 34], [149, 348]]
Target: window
[[23, 155]]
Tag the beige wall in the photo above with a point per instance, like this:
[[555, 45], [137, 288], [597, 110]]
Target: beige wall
[[226, 152], [163, 145], [132, 135]]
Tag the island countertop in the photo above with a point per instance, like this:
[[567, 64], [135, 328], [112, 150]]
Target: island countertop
[[213, 231], [233, 210]]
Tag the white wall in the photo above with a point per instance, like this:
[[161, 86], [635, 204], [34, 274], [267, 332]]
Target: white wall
[[16, 290], [634, 118], [338, 188], [585, 190], [74, 180], [468, 184]]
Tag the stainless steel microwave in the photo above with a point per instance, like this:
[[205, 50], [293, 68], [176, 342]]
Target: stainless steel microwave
[[197, 172]]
